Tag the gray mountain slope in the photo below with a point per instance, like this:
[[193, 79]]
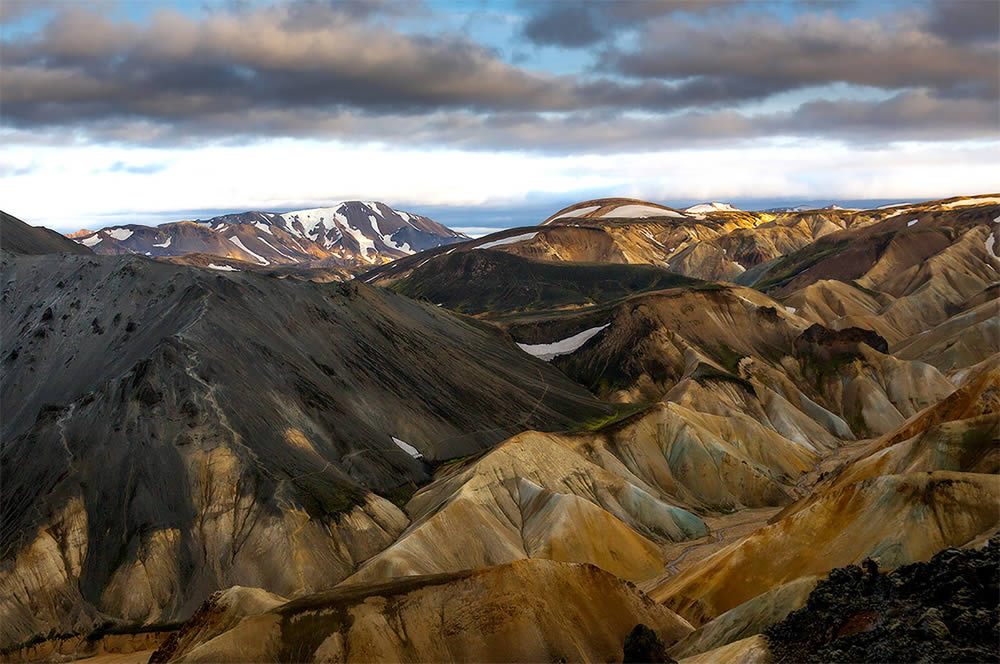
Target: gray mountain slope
[[17, 237], [129, 381]]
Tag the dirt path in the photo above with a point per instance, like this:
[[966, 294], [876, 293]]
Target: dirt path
[[672, 565], [722, 531], [138, 657], [727, 529]]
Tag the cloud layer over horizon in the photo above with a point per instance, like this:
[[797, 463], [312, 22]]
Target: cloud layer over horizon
[[540, 80]]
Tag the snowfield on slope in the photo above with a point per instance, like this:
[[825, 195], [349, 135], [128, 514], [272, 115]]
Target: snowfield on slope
[[556, 348], [981, 200], [120, 234], [260, 259], [406, 447], [507, 240], [640, 212], [712, 207], [579, 212]]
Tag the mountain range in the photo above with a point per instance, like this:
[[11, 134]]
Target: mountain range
[[515, 447], [345, 235]]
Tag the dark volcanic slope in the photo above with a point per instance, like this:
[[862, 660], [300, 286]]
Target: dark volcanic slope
[[17, 237], [944, 610], [481, 281], [168, 398]]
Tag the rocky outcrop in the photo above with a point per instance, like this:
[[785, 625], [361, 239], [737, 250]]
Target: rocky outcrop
[[91, 645], [943, 610], [818, 339]]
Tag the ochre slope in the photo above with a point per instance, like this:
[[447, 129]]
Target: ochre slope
[[495, 614], [894, 519]]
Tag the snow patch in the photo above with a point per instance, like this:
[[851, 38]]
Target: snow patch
[[119, 233], [406, 447], [404, 247], [653, 239], [387, 239], [275, 249], [896, 213], [310, 221], [568, 345], [224, 268], [579, 212], [989, 246], [91, 241], [910, 223], [981, 200], [165, 244], [791, 310], [712, 207], [364, 242], [261, 226], [640, 212], [260, 259], [507, 240]]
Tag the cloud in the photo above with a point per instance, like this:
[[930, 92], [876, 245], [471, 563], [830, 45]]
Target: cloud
[[11, 170], [965, 20], [565, 24], [576, 25], [907, 116], [814, 49], [176, 65], [340, 71], [14, 10], [135, 169], [315, 173]]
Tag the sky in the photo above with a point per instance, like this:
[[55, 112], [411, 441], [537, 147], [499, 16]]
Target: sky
[[487, 115]]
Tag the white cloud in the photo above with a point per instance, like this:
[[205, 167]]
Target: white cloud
[[282, 174]]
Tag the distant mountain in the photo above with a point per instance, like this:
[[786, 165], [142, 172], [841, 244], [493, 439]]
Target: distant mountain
[[736, 246], [349, 234], [703, 208], [804, 207], [790, 208]]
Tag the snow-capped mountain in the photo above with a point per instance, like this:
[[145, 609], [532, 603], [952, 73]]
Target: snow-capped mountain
[[805, 207], [349, 233], [790, 208], [702, 208]]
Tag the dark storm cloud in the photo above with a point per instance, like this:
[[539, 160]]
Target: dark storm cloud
[[965, 20], [915, 115], [565, 24], [575, 25], [815, 49], [84, 65], [335, 70]]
